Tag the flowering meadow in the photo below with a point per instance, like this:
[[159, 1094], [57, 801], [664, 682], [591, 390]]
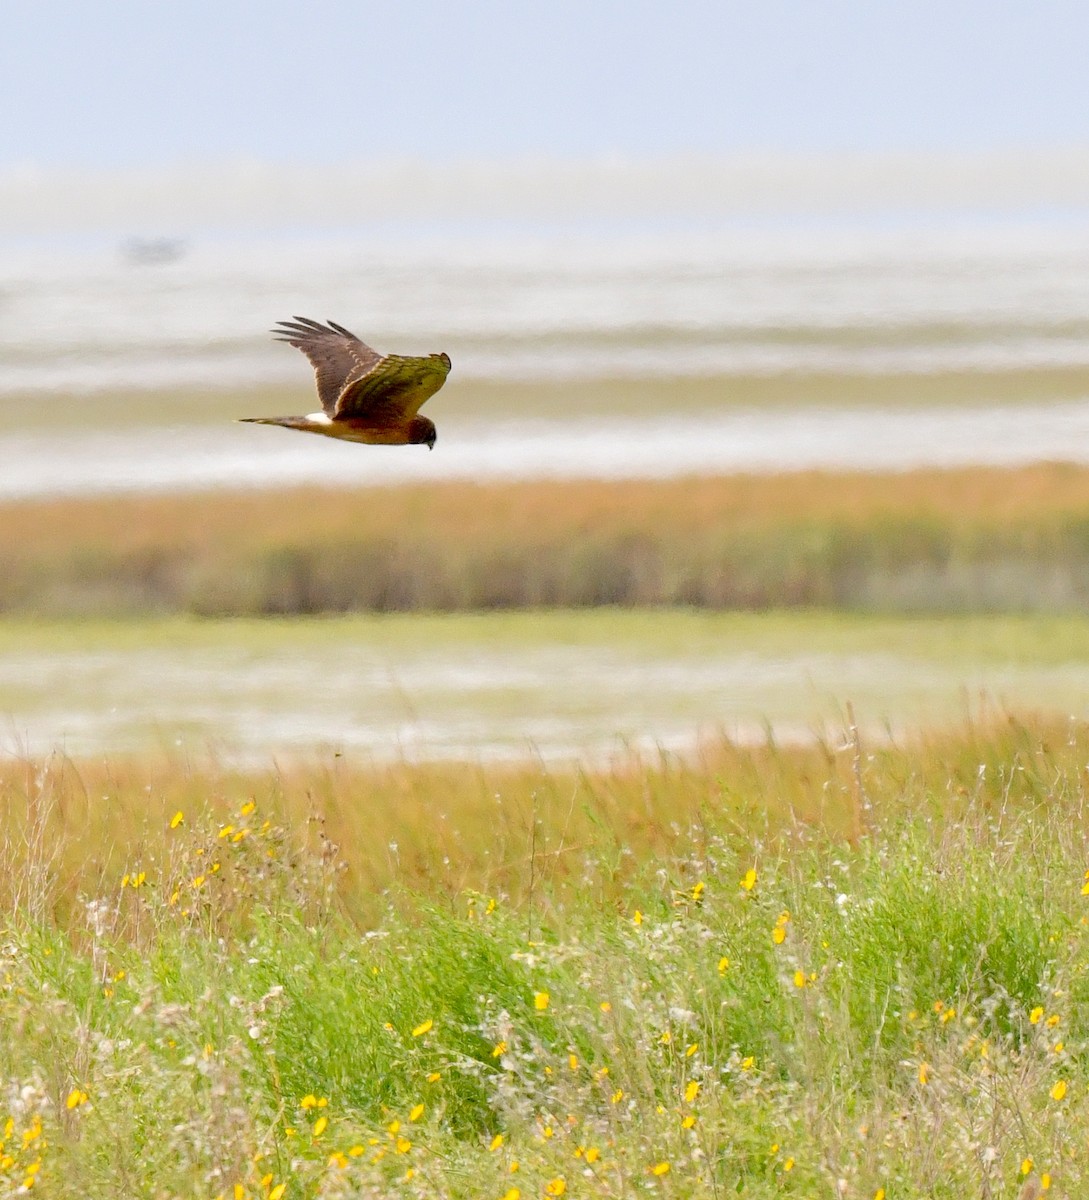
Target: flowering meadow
[[841, 971]]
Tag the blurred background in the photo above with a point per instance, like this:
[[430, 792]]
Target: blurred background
[[770, 391]]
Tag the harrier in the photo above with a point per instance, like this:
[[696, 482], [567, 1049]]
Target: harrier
[[365, 396]]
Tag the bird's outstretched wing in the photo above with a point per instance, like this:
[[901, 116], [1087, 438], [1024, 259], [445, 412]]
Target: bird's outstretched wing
[[392, 391], [337, 356]]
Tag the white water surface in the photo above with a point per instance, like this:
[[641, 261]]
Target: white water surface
[[37, 464], [289, 693], [553, 304]]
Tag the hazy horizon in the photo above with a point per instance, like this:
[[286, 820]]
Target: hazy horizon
[[710, 190]]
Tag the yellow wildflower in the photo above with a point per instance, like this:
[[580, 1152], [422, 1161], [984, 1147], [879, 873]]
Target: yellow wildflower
[[540, 1001], [1059, 1090], [177, 819], [320, 1126], [593, 1154], [497, 1141], [75, 1098], [416, 1113], [661, 1168], [499, 1049], [1036, 1014], [748, 882], [423, 1027], [556, 1187], [692, 1091], [924, 1073]]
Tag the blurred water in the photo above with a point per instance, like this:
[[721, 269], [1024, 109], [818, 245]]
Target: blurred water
[[250, 696], [234, 456], [561, 305]]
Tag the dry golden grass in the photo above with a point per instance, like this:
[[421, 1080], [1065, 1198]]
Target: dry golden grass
[[445, 828], [465, 513]]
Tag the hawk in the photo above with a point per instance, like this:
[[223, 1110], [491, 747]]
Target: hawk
[[365, 396]]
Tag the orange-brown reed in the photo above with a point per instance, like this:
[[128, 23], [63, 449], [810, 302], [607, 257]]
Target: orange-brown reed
[[960, 540]]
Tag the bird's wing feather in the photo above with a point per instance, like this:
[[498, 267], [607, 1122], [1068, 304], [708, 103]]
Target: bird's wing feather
[[336, 355], [390, 392]]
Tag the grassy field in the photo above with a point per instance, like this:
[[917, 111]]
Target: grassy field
[[927, 541], [847, 970]]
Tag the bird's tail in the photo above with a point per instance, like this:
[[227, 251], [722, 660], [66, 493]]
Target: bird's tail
[[286, 422]]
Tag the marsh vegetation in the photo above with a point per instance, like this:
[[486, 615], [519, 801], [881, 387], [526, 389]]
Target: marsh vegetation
[[924, 542]]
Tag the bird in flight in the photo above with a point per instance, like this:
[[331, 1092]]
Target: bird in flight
[[365, 396]]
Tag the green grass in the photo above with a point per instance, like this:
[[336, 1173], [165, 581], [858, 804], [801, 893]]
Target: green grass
[[1029, 639], [589, 990]]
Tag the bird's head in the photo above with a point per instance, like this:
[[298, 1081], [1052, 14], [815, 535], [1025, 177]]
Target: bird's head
[[422, 432]]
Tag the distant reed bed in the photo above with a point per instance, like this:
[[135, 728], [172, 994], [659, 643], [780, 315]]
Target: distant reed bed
[[927, 541]]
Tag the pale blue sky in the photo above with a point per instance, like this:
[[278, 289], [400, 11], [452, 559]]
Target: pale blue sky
[[105, 83]]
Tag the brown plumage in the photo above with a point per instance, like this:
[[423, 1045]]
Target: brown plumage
[[365, 396]]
